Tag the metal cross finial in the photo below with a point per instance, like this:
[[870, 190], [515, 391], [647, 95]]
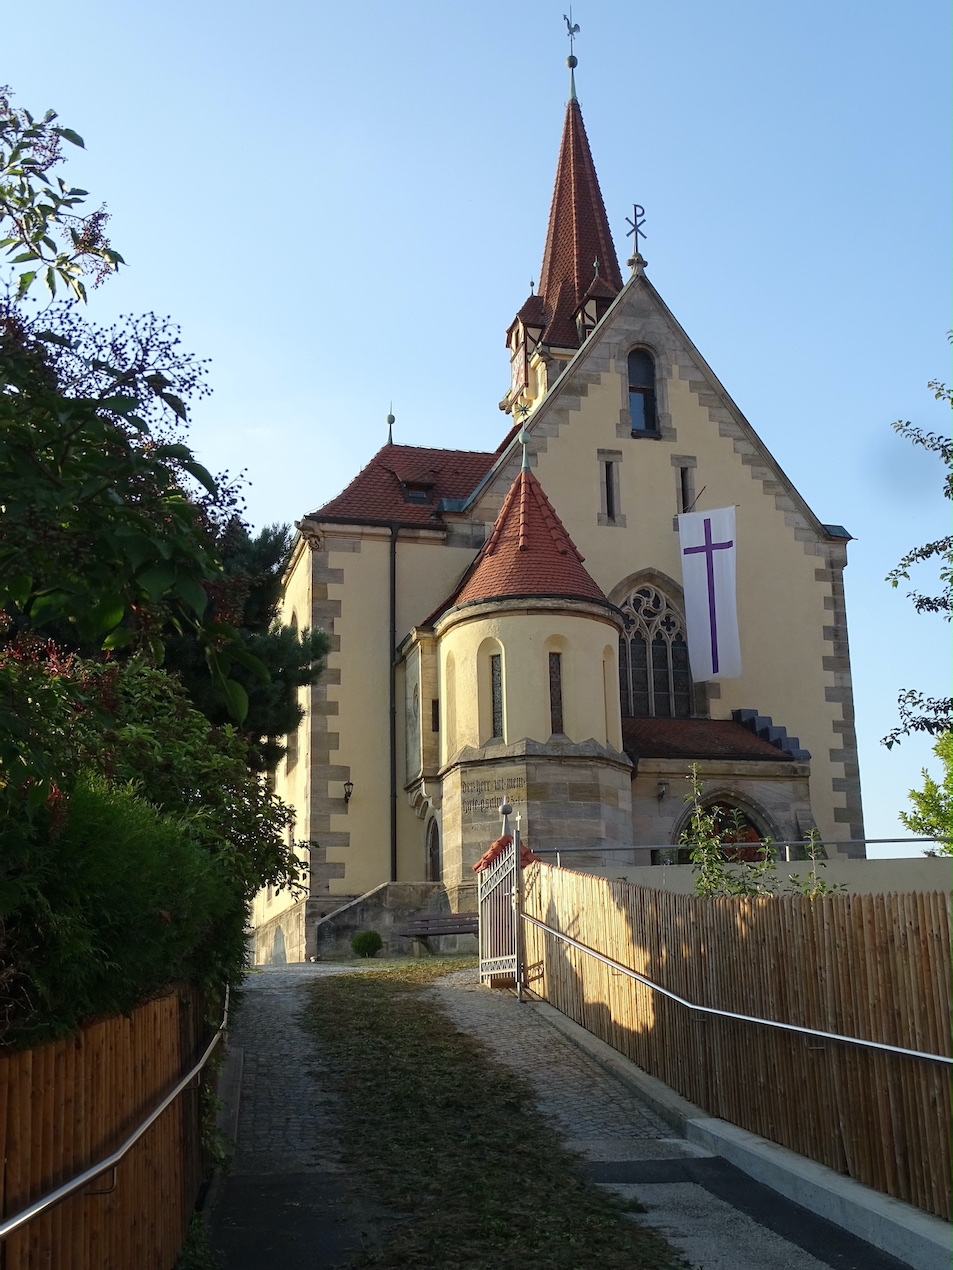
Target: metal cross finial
[[390, 425], [637, 220]]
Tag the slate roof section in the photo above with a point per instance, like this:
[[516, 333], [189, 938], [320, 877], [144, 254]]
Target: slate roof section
[[529, 553], [377, 493], [696, 739], [578, 235]]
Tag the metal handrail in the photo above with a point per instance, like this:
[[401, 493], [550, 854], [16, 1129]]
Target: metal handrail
[[730, 1014], [111, 1161], [764, 842]]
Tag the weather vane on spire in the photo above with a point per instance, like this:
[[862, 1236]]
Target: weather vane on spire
[[571, 61], [573, 29], [637, 220]]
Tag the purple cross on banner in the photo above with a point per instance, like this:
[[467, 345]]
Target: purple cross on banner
[[709, 549], [708, 572]]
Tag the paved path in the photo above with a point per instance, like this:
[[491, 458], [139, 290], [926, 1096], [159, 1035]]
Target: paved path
[[286, 1203], [716, 1215]]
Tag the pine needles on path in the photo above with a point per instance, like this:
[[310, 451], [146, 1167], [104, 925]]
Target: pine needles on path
[[451, 1141]]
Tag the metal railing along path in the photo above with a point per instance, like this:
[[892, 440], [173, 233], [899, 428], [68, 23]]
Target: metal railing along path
[[767, 842], [730, 1014], [112, 1161]]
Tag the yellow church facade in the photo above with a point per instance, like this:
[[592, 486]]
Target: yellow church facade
[[512, 624]]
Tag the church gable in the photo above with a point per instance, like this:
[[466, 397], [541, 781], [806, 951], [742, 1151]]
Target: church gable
[[640, 325]]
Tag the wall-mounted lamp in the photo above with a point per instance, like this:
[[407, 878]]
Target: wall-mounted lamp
[[348, 791], [662, 789]]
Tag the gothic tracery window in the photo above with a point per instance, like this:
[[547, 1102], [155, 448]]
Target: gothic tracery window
[[654, 677]]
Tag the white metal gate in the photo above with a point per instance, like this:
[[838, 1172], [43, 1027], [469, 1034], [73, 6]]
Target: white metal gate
[[496, 888], [500, 895]]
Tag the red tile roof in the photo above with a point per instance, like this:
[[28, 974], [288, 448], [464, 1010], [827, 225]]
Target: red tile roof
[[528, 553], [695, 739], [377, 492], [578, 235]]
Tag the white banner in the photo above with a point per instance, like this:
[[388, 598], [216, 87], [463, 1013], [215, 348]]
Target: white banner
[[707, 541]]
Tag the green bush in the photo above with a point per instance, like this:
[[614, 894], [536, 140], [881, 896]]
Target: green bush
[[366, 943], [122, 902], [114, 884]]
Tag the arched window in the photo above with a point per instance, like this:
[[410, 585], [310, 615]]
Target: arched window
[[741, 827], [654, 678], [434, 854], [491, 692], [642, 392]]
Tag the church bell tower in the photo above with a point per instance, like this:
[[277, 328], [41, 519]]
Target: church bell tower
[[580, 276]]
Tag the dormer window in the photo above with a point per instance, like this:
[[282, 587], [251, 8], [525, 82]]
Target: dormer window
[[417, 493], [642, 393]]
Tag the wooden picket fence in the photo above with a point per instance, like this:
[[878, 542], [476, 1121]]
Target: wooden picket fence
[[67, 1105], [870, 966]]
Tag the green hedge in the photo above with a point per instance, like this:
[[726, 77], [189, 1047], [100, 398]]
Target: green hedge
[[122, 902]]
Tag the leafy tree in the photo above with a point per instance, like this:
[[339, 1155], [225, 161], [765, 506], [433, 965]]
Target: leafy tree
[[111, 540], [932, 816], [98, 531], [920, 713], [248, 597], [45, 234]]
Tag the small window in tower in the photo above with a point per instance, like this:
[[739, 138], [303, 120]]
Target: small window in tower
[[434, 715], [556, 692], [496, 693], [686, 493], [642, 392], [609, 478]]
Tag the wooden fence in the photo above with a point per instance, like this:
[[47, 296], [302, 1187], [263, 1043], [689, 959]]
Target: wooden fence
[[66, 1105], [870, 966]]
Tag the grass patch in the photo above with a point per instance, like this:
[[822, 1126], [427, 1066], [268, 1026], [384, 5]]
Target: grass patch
[[451, 1140]]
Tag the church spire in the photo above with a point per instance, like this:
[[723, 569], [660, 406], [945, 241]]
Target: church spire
[[578, 235], [580, 276]]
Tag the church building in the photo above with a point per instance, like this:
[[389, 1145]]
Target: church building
[[512, 624]]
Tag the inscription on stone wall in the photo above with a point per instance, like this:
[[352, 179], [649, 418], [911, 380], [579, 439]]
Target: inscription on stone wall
[[475, 802]]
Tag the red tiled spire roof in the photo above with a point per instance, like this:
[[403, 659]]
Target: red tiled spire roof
[[578, 235], [528, 553]]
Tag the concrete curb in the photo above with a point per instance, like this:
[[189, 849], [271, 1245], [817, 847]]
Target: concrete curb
[[913, 1237]]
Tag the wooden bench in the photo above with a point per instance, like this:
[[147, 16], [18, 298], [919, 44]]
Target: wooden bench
[[429, 925]]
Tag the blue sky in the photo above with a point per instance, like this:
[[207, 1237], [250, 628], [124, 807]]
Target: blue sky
[[344, 205]]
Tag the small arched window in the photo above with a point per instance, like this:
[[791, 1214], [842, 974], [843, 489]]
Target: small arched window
[[642, 392], [434, 854], [654, 677]]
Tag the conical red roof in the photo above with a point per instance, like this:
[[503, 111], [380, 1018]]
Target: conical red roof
[[528, 553], [578, 235]]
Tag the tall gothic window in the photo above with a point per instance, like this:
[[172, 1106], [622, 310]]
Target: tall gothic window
[[496, 694], [642, 392], [654, 678], [556, 693]]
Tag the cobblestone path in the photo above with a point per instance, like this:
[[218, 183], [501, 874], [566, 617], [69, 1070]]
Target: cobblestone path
[[595, 1112], [718, 1217], [286, 1202]]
